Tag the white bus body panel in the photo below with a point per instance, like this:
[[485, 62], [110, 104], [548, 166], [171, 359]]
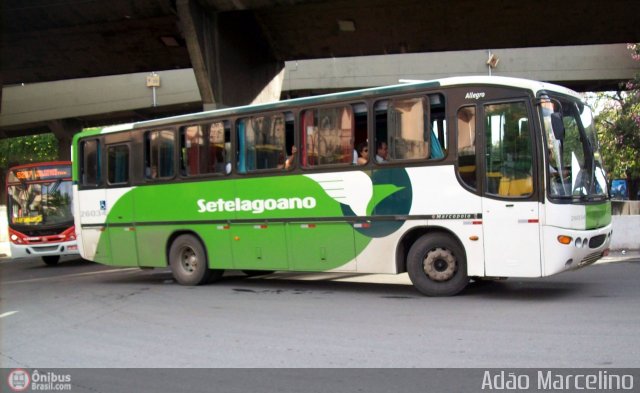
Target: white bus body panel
[[43, 249], [93, 209], [437, 193], [569, 220], [511, 238]]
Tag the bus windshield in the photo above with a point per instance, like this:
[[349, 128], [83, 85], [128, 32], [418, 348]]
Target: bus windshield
[[574, 164], [43, 203]]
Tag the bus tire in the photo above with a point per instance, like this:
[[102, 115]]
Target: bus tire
[[188, 261], [51, 260], [437, 265]]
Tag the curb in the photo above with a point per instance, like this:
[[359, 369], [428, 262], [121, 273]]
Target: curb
[[621, 255]]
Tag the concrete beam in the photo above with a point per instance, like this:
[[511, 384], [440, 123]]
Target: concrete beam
[[553, 64], [63, 130], [43, 102], [201, 39], [232, 59]]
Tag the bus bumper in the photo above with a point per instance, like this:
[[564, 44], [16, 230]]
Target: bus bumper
[[584, 248], [43, 250]]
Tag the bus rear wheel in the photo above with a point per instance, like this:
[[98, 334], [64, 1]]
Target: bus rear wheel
[[437, 265], [189, 263], [51, 260]]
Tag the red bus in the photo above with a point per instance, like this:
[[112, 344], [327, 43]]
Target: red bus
[[40, 211]]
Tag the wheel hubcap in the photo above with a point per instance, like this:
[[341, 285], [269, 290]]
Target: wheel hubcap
[[440, 264], [188, 260]]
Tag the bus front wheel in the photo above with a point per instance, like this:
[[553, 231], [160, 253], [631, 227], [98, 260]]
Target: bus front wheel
[[188, 261], [51, 260], [437, 265]]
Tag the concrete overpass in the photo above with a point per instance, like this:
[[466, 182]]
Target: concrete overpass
[[244, 43], [582, 68], [66, 106]]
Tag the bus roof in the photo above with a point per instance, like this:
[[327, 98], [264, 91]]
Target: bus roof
[[531, 85], [40, 164]]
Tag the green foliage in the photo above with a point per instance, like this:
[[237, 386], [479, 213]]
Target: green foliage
[[618, 126], [26, 149]]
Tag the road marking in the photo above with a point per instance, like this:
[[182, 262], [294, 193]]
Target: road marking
[[73, 275], [8, 313]]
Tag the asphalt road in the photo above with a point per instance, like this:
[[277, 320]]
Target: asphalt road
[[80, 314]]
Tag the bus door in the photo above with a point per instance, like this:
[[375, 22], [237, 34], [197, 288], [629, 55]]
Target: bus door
[[91, 207], [510, 207], [120, 225]]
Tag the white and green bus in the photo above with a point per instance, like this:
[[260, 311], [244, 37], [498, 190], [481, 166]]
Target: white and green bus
[[449, 180]]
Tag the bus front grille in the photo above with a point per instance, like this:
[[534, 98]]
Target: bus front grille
[[44, 249], [589, 259], [597, 241]]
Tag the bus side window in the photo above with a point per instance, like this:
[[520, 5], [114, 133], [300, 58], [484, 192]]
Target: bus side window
[[90, 170], [328, 136], [220, 147], [466, 127], [204, 149], [193, 150], [438, 127], [118, 164], [291, 154], [403, 133], [261, 142], [405, 124], [509, 156], [159, 154]]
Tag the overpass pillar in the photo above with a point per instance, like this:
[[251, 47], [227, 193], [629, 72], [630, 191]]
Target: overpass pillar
[[231, 58], [63, 131]]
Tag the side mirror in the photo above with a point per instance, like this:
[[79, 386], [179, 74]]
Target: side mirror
[[558, 125]]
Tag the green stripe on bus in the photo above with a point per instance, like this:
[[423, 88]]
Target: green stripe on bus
[[599, 215]]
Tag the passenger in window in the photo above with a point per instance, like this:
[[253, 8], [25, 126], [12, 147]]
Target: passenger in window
[[382, 151], [363, 153], [153, 172], [291, 159]]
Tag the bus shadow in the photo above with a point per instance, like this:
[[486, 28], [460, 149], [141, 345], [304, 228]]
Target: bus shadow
[[300, 284], [517, 290], [64, 263], [268, 284]]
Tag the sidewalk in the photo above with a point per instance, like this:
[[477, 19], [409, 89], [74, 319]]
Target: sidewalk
[[620, 256]]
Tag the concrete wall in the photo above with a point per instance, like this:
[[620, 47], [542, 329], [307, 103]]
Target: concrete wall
[[626, 225], [625, 208], [626, 233]]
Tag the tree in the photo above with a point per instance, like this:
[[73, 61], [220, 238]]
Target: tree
[[23, 150], [618, 127], [26, 149]]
